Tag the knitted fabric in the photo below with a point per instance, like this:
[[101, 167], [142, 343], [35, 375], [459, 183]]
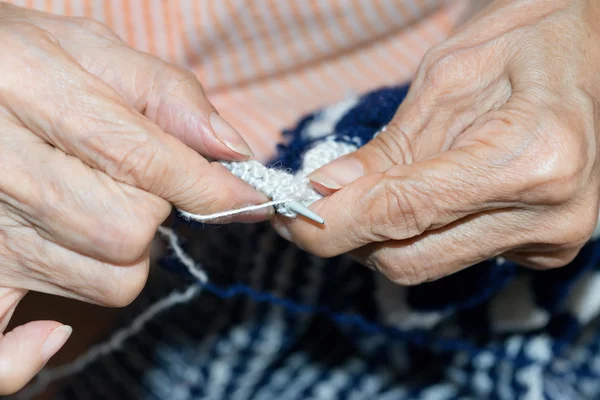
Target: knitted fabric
[[272, 321], [280, 185]]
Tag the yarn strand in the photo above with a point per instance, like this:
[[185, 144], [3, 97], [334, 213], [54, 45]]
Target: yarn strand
[[48, 376], [229, 213], [116, 341]]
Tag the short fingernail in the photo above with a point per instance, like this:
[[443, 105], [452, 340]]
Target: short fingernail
[[55, 340], [229, 136], [338, 173], [282, 230]]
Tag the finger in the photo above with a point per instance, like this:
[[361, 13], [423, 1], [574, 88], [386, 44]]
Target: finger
[[172, 97], [26, 349], [34, 263], [167, 94], [72, 205], [447, 250], [85, 118], [504, 159], [408, 200], [444, 99]]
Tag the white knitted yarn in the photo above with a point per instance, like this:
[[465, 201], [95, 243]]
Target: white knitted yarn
[[280, 185], [323, 153]]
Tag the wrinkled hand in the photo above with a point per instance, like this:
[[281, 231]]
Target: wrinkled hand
[[493, 152], [97, 140]]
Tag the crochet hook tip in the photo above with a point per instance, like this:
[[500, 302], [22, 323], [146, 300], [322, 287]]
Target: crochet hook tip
[[298, 208]]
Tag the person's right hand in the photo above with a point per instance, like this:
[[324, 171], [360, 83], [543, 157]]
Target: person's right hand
[[97, 140]]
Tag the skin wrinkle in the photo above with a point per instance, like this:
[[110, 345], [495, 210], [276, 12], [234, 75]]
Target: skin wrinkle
[[538, 79], [529, 152], [399, 199], [74, 282], [397, 144], [52, 194], [80, 116], [450, 99], [448, 243], [463, 122]]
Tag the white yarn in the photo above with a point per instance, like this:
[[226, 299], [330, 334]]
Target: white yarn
[[323, 153], [223, 214], [48, 376], [324, 123], [283, 187], [276, 184], [280, 186], [186, 260]]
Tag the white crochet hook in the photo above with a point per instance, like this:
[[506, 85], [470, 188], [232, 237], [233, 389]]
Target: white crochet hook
[[298, 208]]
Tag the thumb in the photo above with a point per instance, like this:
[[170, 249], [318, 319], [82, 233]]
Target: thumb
[[406, 201], [391, 146], [27, 348]]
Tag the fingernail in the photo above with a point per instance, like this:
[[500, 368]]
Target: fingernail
[[55, 340], [229, 136], [338, 173]]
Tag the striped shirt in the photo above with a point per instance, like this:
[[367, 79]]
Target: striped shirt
[[265, 63]]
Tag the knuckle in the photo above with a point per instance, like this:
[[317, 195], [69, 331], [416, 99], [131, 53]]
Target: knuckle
[[170, 80], [94, 26], [405, 210], [138, 159], [556, 170], [430, 57], [124, 240], [579, 227], [173, 77], [443, 72], [23, 33], [588, 227], [122, 285], [176, 73], [394, 144], [399, 270]]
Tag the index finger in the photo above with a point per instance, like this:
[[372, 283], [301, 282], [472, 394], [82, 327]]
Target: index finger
[[85, 118]]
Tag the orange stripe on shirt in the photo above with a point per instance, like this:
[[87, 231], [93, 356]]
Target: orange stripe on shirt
[[264, 67]]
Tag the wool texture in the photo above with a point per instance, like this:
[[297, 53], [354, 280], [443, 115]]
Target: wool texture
[[283, 186], [272, 321]]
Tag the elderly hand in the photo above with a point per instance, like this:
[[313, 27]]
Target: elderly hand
[[97, 140], [493, 152]]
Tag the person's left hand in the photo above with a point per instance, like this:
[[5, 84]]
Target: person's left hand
[[493, 152]]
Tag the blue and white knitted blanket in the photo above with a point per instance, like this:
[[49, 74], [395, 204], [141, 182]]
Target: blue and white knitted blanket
[[273, 322]]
